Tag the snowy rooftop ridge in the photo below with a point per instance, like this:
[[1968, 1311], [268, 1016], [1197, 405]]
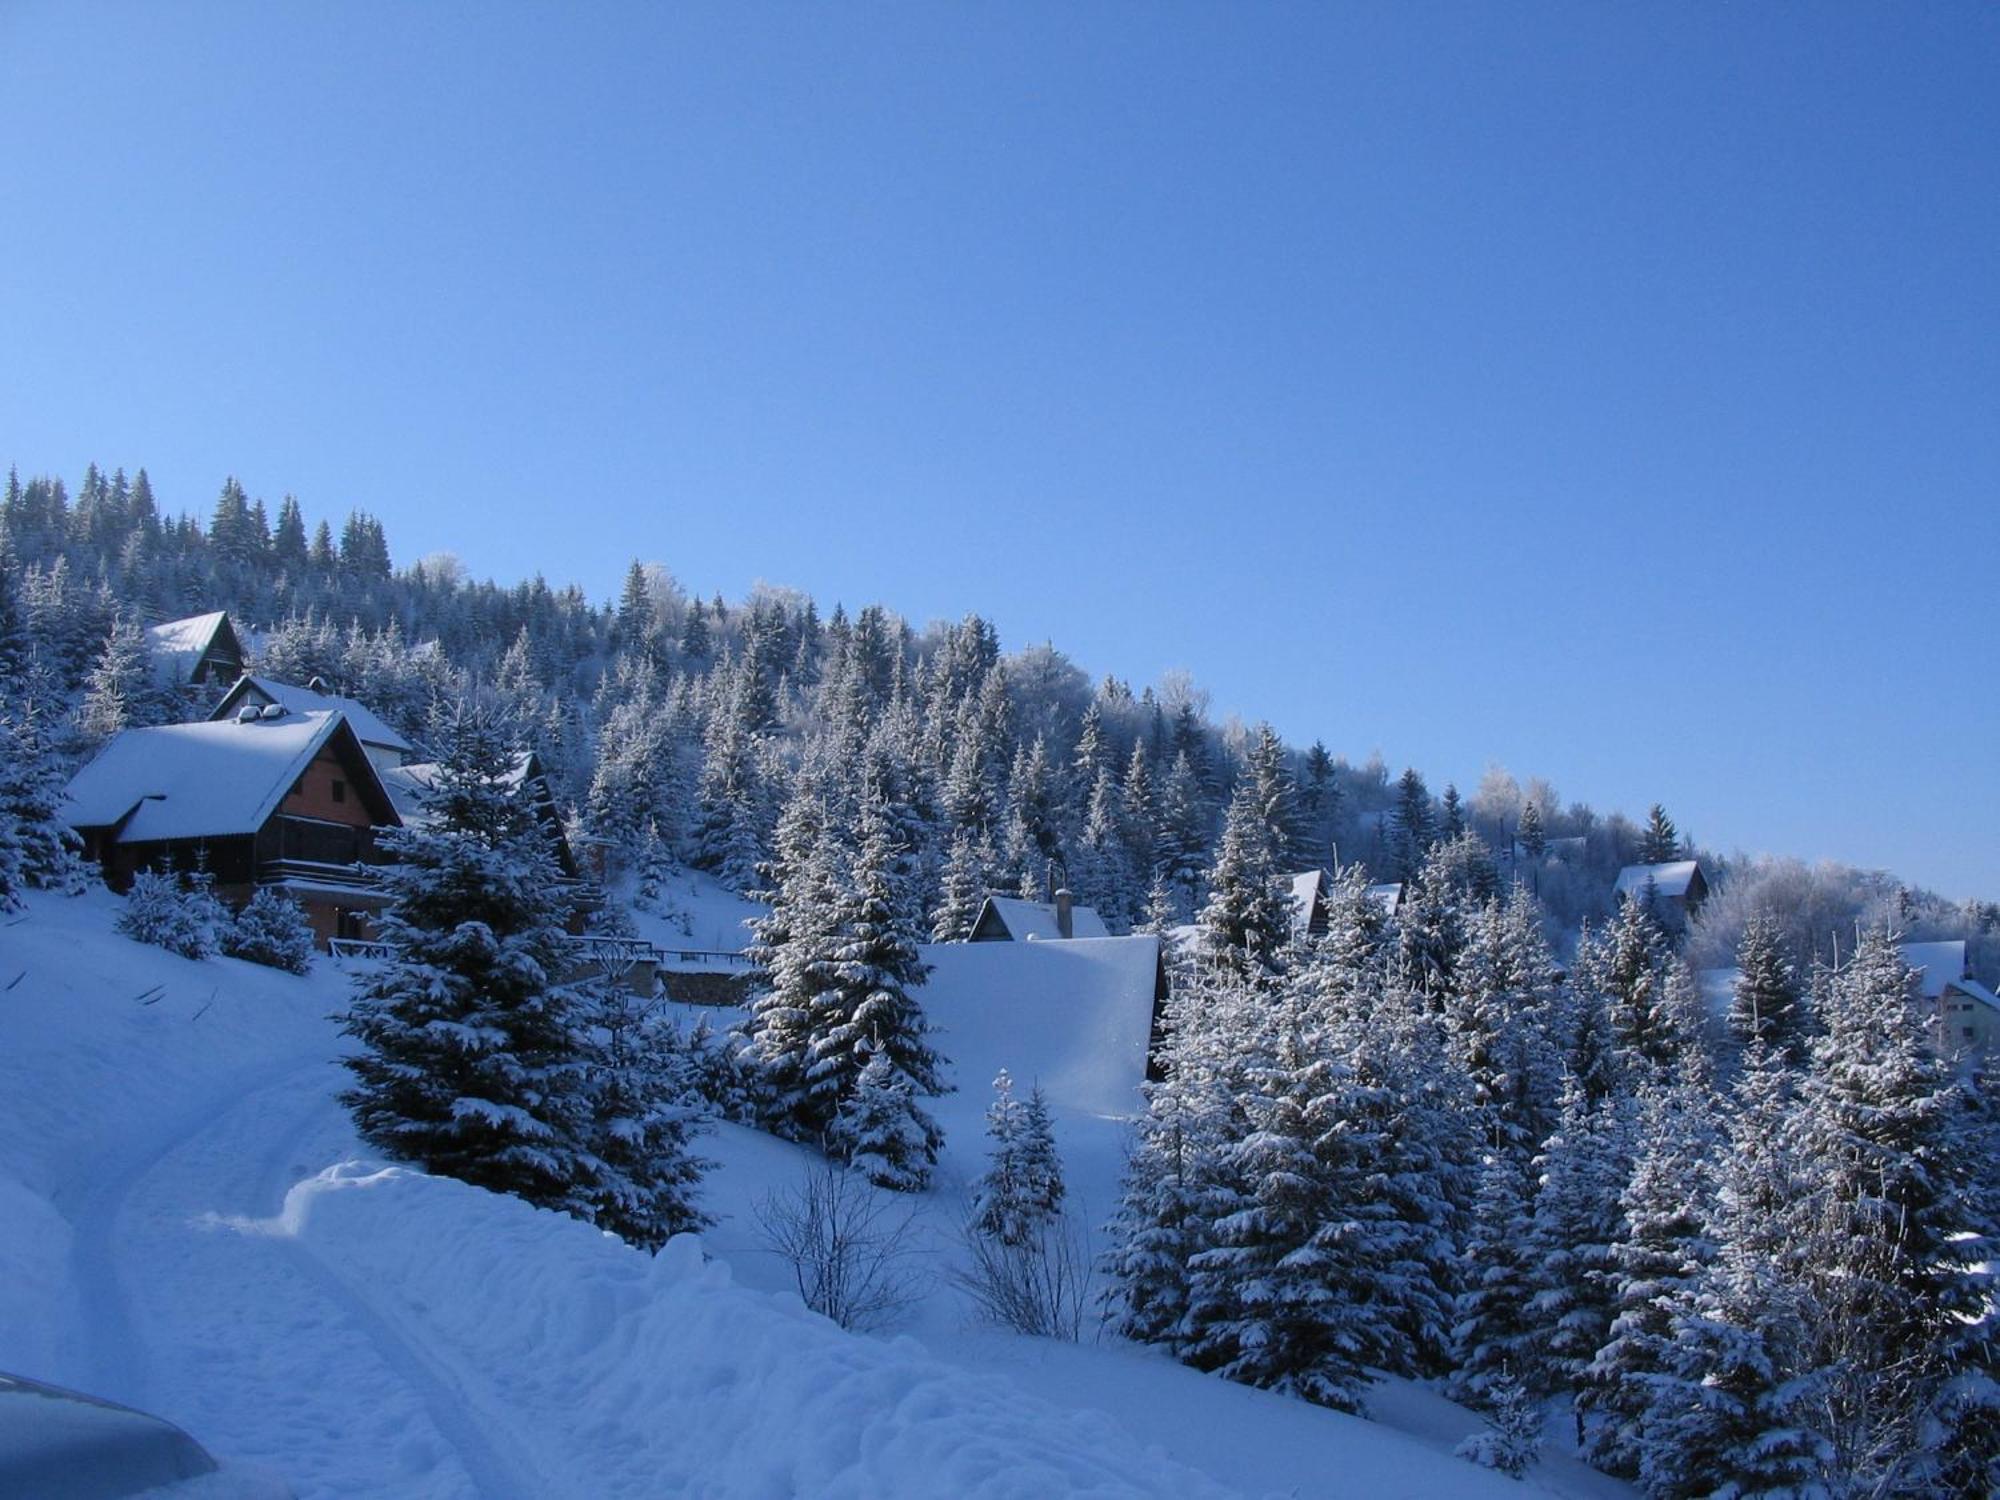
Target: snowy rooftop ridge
[[1670, 879], [1937, 965], [178, 645], [1036, 920], [367, 728], [207, 780]]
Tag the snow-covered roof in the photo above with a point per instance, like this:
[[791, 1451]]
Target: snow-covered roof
[[1388, 896], [1074, 1017], [184, 781], [178, 646], [1670, 880], [1972, 989], [1306, 887], [304, 700], [1937, 965], [410, 787], [1036, 920]]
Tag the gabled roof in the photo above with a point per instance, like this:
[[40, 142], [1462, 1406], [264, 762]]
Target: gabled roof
[[210, 780], [1307, 887], [1388, 896], [177, 647], [1972, 989], [1937, 965], [1024, 920], [410, 786], [1673, 879], [304, 700]]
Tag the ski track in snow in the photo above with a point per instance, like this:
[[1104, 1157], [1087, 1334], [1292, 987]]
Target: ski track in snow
[[177, 1229]]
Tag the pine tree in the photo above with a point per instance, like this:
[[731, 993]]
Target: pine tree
[[1532, 835], [272, 930], [163, 910], [880, 1132], [1512, 1440], [1492, 1334], [961, 890], [1765, 1005], [1248, 917], [1412, 827], [793, 948], [1022, 1187], [1582, 1169], [1659, 1253], [118, 692], [869, 1015], [469, 1062], [1661, 842], [640, 1080]]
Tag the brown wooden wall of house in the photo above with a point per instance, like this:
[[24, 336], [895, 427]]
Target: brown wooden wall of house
[[313, 795]]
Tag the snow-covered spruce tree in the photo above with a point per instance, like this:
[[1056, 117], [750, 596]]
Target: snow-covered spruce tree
[[1248, 919], [881, 1133], [1491, 1339], [1533, 833], [641, 1080], [1766, 1005], [1512, 1439], [470, 1063], [870, 1010], [1430, 933], [1649, 997], [1582, 1169], [31, 797], [272, 930], [1735, 1411], [1661, 841], [1498, 1016], [728, 838], [163, 910], [1022, 1187], [1412, 827], [1904, 1176], [792, 945], [118, 692], [1660, 1251], [962, 888]]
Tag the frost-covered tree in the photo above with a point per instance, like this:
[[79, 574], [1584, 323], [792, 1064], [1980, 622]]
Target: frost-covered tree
[[1660, 842], [961, 889], [1492, 1335], [792, 945], [1659, 1253], [1021, 1189], [181, 917], [118, 693], [469, 1062], [1412, 827], [271, 929], [1582, 1169], [642, 1081], [1765, 1004], [1247, 919]]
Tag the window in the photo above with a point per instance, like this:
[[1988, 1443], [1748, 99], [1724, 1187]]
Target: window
[[339, 790]]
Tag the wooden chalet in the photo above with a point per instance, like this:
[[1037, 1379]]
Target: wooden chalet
[[265, 799]]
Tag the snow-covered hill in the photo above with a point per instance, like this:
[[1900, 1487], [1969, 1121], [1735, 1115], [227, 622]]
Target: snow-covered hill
[[187, 1223]]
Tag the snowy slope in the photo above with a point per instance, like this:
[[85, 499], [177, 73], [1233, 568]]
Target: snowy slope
[[187, 1224]]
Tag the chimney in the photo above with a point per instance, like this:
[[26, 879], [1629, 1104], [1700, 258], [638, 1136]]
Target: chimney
[[1065, 923]]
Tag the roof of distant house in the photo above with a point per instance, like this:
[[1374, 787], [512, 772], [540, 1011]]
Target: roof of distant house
[[1937, 964], [179, 645], [1388, 896], [1974, 990], [410, 787], [1306, 888], [305, 700], [209, 780], [1671, 879], [1025, 920]]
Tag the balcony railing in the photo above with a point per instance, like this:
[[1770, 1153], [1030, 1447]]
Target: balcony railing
[[312, 872]]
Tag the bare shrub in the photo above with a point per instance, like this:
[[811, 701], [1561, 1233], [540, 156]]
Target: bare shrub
[[1039, 1285], [850, 1245]]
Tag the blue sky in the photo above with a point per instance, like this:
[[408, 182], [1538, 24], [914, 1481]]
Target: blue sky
[[1605, 391]]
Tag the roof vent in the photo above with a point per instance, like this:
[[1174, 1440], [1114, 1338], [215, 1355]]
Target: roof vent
[[272, 711], [246, 713], [317, 685]]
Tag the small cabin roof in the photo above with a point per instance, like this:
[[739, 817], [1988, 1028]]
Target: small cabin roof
[[1025, 920], [207, 780], [177, 647], [1388, 896], [1672, 879], [367, 728], [1937, 965], [1307, 887], [1972, 989]]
